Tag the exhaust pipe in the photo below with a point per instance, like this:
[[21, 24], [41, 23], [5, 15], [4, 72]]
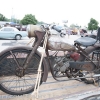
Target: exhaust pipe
[[92, 76]]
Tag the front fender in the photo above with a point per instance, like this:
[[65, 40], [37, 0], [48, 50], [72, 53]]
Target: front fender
[[45, 75]]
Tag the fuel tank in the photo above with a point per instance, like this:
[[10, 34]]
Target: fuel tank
[[56, 42]]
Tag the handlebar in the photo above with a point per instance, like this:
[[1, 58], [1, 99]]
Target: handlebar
[[45, 27]]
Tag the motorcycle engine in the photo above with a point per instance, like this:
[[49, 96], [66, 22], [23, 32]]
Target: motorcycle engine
[[61, 64]]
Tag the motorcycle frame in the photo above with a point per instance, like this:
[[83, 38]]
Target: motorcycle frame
[[39, 38], [38, 41]]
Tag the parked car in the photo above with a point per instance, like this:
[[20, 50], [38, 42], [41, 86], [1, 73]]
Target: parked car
[[93, 34], [74, 31], [85, 33], [12, 33], [58, 28], [23, 28]]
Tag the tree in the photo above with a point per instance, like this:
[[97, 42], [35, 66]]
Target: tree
[[3, 18], [29, 19], [72, 26], [93, 24]]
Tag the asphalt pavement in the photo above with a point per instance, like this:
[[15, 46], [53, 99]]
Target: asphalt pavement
[[77, 92], [4, 44]]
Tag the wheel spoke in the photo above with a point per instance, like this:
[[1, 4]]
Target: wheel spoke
[[15, 59]]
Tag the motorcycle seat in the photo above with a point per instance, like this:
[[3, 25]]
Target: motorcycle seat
[[85, 41]]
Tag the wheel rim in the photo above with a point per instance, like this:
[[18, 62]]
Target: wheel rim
[[10, 81], [18, 37]]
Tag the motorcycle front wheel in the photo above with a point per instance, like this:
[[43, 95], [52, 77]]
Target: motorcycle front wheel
[[11, 80]]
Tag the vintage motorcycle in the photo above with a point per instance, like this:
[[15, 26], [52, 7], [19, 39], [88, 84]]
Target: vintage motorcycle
[[19, 64]]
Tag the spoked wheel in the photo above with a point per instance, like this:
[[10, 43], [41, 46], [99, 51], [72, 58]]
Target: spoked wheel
[[17, 81]]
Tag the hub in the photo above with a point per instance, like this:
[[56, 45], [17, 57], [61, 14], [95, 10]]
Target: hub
[[20, 72]]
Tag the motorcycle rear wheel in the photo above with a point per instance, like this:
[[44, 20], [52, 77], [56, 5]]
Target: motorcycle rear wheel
[[10, 80], [88, 80]]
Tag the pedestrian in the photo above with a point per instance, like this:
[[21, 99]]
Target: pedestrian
[[69, 33]]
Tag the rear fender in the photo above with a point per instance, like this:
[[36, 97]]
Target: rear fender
[[89, 50]]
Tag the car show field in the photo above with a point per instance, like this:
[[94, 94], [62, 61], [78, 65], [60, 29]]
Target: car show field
[[49, 50], [58, 90]]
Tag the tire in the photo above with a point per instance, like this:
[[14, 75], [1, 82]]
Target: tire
[[10, 80], [86, 36], [18, 37]]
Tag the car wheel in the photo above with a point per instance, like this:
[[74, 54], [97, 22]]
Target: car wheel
[[18, 37], [86, 36]]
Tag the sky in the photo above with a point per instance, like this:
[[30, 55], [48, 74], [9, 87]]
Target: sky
[[75, 11]]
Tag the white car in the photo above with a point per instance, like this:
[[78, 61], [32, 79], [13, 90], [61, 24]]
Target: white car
[[12, 33]]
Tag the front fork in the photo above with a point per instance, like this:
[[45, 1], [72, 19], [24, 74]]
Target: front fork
[[50, 65], [39, 38]]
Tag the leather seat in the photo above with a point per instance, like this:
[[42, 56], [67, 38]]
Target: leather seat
[[86, 41]]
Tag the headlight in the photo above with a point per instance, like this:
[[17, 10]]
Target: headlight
[[31, 28]]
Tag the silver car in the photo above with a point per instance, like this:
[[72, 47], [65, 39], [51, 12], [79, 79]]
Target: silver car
[[12, 33]]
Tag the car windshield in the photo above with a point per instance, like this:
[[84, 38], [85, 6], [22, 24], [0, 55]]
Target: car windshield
[[59, 27]]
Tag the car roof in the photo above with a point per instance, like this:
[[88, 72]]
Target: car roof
[[11, 27], [8, 27]]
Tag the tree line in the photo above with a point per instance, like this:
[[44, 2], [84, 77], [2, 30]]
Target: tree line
[[31, 19], [27, 19], [92, 25]]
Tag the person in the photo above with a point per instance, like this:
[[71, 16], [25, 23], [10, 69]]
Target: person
[[69, 32], [78, 33]]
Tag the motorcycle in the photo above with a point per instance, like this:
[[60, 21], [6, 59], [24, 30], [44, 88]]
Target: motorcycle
[[19, 65]]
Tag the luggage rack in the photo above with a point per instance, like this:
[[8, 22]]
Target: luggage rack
[[97, 52]]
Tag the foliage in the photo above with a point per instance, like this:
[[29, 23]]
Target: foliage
[[72, 26], [93, 24], [29, 19], [3, 18]]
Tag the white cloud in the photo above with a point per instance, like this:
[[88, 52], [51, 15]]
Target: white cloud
[[75, 11]]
